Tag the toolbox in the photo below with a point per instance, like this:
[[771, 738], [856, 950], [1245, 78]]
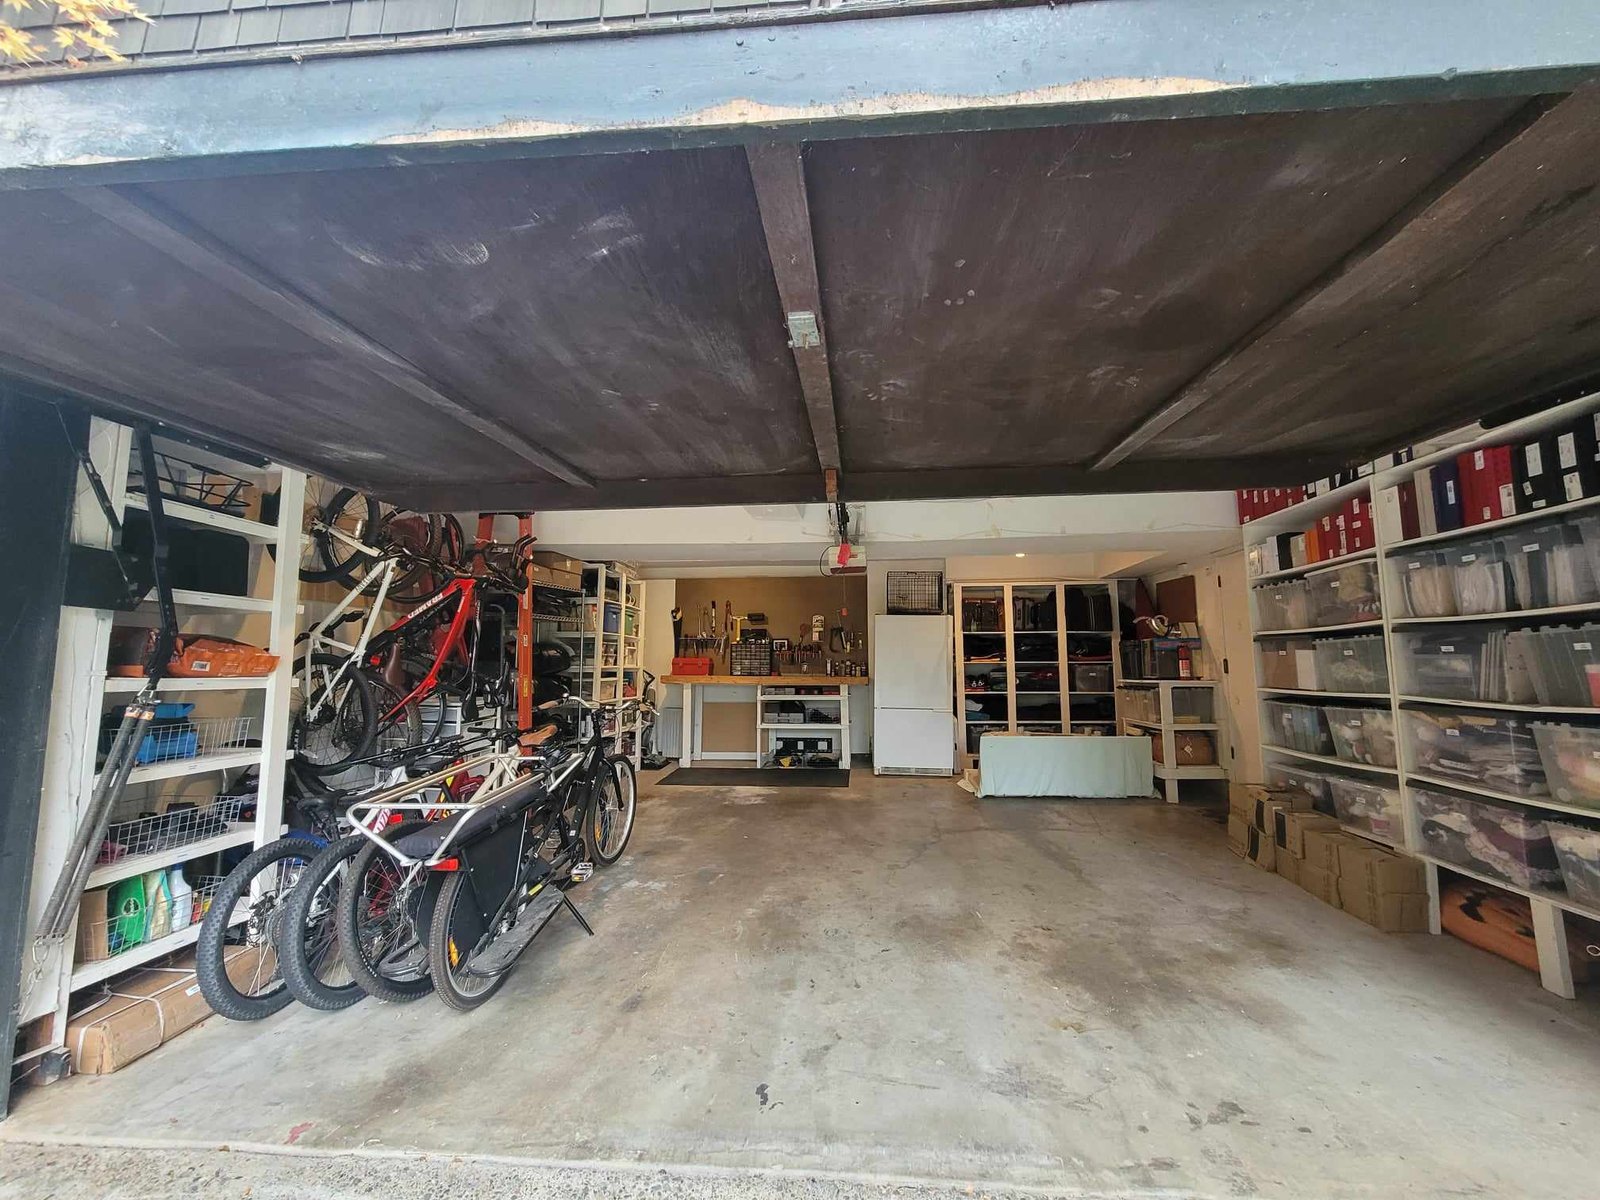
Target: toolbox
[[691, 666]]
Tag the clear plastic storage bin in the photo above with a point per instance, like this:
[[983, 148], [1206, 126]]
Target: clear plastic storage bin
[[1566, 666], [1352, 664], [1578, 853], [1549, 564], [1091, 677], [1140, 704], [1492, 839], [1479, 575], [1193, 706], [1307, 780], [1298, 727], [1571, 758], [1344, 595], [1450, 665], [1363, 735], [1280, 663], [1369, 807], [1285, 605], [1427, 583], [1480, 749]]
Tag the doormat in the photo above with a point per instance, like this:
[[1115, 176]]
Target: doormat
[[773, 777]]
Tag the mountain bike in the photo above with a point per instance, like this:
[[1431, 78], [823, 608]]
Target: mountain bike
[[476, 887], [430, 655]]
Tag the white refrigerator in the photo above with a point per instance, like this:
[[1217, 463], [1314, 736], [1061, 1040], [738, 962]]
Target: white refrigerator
[[913, 725]]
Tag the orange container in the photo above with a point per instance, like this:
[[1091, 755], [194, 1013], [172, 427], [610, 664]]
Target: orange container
[[197, 657]]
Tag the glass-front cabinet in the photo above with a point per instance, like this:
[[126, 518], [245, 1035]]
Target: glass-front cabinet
[[1034, 658]]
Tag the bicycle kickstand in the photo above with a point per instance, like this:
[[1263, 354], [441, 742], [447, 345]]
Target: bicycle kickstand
[[577, 916]]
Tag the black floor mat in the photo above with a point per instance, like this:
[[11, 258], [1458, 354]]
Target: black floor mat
[[756, 777]]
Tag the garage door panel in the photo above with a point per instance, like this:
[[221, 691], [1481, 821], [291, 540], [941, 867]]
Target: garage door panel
[[618, 311], [1490, 292], [1023, 296], [80, 299]]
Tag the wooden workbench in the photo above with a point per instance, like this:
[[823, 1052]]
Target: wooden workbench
[[691, 722]]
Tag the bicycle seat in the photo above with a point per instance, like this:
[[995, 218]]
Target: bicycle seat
[[512, 803]]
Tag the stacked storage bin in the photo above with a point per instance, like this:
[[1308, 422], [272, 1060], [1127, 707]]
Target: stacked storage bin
[[1497, 840], [1301, 727], [1351, 664], [1496, 751]]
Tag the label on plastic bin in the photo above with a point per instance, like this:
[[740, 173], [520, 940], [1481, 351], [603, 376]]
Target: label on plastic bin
[[1447, 649], [1469, 558], [1349, 653], [1452, 733], [1581, 646], [1414, 566], [1530, 549]]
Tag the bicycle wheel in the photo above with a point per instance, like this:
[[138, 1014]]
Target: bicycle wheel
[[336, 716], [456, 927], [324, 554], [418, 539], [608, 820], [382, 919], [260, 883], [307, 943]]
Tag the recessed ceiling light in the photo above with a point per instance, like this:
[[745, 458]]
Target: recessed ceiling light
[[1020, 554]]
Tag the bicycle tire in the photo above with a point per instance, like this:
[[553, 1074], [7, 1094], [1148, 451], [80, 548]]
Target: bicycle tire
[[356, 954], [622, 777], [357, 515], [442, 947], [308, 918], [216, 986], [350, 719]]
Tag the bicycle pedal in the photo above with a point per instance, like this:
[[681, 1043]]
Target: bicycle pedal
[[582, 871]]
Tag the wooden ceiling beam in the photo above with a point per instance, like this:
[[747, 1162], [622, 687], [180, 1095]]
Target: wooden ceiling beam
[[1389, 238], [217, 263], [778, 171]]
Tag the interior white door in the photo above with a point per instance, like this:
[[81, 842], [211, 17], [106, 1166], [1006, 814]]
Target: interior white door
[[911, 662]]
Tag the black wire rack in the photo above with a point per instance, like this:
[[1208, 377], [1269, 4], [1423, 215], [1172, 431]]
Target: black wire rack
[[916, 593], [186, 482]]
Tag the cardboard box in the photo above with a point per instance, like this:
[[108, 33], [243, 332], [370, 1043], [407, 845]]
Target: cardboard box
[[1289, 867], [1322, 848], [94, 941], [1259, 848], [1324, 885], [557, 562], [1289, 827], [1238, 834], [145, 1010], [1391, 912], [1380, 870], [549, 576], [1252, 800]]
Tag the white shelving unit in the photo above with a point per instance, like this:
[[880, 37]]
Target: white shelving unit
[[821, 693], [83, 693], [1026, 651], [1547, 908], [1169, 725], [608, 666]]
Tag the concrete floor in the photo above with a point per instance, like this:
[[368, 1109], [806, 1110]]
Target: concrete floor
[[857, 989]]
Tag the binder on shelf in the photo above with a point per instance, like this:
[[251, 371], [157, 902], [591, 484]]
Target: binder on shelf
[[1471, 467], [1578, 458], [1503, 498], [1427, 518], [1533, 470], [1447, 496]]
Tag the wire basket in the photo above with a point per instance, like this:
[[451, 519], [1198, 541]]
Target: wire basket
[[750, 658], [137, 921], [138, 830], [916, 593], [181, 738], [186, 482]]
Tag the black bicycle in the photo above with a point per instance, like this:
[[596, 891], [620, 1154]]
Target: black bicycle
[[475, 888]]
